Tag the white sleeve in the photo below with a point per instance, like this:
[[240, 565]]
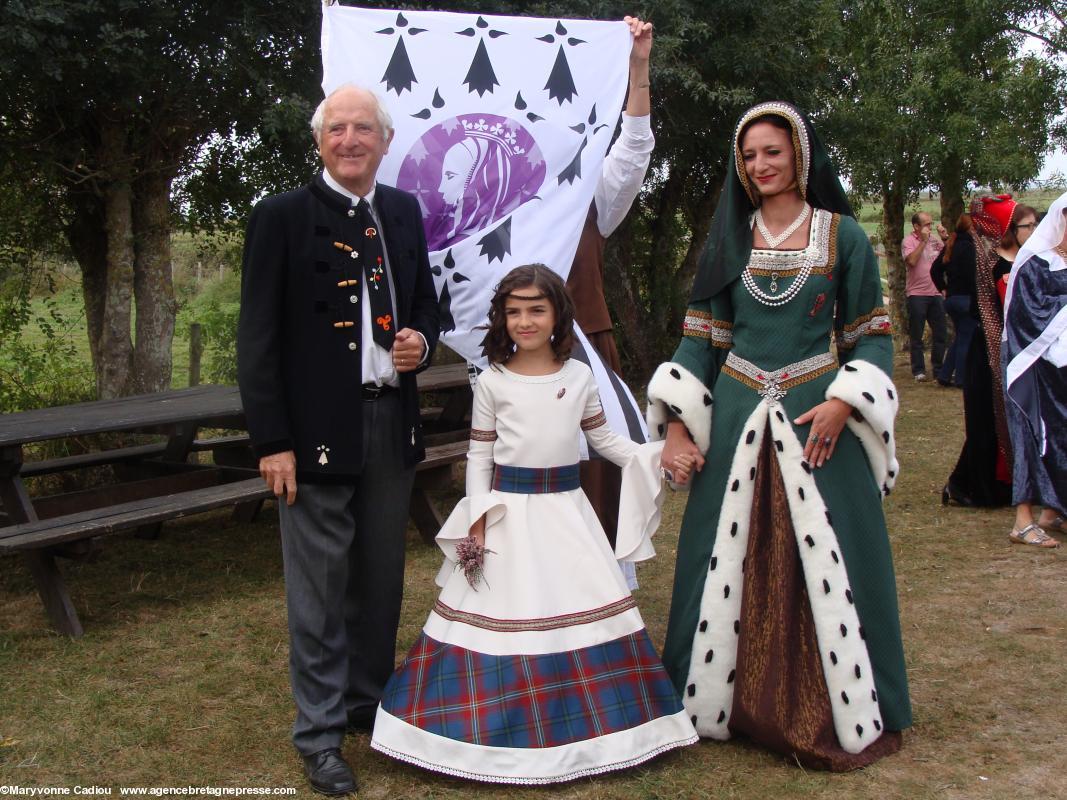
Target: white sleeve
[[624, 171], [483, 440]]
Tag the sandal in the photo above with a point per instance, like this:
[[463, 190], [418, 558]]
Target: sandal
[[1058, 524], [1033, 535]]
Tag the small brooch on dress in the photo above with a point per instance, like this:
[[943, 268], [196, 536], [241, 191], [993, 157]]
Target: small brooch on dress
[[819, 300], [560, 393]]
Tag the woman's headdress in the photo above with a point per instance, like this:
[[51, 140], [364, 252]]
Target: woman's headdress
[[730, 238], [992, 215]]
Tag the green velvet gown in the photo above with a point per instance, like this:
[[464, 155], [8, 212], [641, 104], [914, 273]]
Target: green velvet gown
[[838, 309]]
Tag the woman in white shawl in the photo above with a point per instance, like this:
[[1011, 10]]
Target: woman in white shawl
[[1035, 359]]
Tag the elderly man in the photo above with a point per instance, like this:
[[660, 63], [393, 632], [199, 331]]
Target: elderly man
[[338, 313], [920, 249]]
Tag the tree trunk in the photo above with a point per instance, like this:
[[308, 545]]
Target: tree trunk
[[153, 287], [951, 191], [893, 202], [87, 236], [116, 345]]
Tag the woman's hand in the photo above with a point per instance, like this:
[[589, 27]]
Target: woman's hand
[[827, 420], [680, 455]]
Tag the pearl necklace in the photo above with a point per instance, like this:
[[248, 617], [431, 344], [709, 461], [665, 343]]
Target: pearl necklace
[[773, 300], [774, 241]]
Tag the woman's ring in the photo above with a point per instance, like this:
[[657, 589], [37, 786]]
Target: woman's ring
[[827, 441], [814, 438], [667, 474]]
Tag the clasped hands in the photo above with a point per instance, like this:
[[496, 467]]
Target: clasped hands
[[681, 455]]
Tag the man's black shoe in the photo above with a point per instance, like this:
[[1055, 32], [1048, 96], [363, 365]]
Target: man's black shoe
[[329, 773]]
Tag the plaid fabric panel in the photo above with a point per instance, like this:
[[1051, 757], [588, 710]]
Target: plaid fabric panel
[[531, 701], [532, 480]]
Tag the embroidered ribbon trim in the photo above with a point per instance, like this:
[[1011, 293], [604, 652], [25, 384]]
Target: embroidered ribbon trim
[[875, 323], [482, 436], [772, 385], [542, 624], [535, 480], [594, 421]]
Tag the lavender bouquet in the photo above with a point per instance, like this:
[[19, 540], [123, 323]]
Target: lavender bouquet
[[471, 559]]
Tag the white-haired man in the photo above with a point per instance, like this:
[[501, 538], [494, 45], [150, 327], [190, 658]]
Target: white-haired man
[[338, 313]]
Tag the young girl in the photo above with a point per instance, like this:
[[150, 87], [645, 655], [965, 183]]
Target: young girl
[[536, 668]]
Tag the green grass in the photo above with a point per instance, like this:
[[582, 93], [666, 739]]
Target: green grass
[[181, 678]]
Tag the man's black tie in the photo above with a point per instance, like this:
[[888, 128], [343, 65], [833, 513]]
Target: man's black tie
[[383, 320]]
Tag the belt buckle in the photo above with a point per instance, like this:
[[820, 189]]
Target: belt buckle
[[772, 393], [371, 391]]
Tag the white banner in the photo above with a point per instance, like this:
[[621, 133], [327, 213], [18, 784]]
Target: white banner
[[502, 124]]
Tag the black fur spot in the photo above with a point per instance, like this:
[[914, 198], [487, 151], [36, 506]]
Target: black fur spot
[[844, 630], [800, 490], [708, 656], [886, 489], [868, 396], [833, 555], [844, 697], [833, 658], [725, 592], [751, 437], [733, 529], [877, 725], [829, 519], [849, 368], [806, 466], [735, 485], [890, 393], [892, 473], [703, 626], [863, 633], [874, 695], [885, 436], [809, 540], [858, 671], [779, 415], [676, 410], [676, 374], [778, 444], [826, 586], [660, 428], [752, 474], [707, 399], [859, 730], [691, 689], [714, 562], [731, 676], [848, 596], [722, 716], [737, 626]]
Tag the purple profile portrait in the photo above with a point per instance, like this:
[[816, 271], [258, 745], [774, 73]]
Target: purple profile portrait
[[468, 172]]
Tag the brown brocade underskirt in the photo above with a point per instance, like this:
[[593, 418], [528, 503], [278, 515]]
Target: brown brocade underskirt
[[780, 700]]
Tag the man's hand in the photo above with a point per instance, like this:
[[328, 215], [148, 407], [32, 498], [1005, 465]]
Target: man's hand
[[942, 232], [408, 349], [279, 471], [642, 34]]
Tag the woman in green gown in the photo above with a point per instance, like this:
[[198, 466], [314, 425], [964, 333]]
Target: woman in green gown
[[784, 625]]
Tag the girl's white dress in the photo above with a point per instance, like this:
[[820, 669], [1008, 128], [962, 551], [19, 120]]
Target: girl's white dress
[[544, 672]]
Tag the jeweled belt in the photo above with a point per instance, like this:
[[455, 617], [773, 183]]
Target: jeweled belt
[[535, 480], [772, 385]]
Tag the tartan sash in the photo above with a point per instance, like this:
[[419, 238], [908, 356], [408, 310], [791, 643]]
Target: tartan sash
[[535, 480]]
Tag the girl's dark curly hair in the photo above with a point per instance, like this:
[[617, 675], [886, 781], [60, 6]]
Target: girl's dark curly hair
[[497, 345]]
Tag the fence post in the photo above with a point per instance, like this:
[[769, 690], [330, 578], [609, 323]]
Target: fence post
[[196, 350]]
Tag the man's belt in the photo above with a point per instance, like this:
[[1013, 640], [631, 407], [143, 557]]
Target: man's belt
[[371, 391]]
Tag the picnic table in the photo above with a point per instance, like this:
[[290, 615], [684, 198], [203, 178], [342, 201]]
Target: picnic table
[[159, 481]]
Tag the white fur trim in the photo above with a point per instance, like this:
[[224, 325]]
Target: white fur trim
[[871, 392], [673, 386], [708, 694]]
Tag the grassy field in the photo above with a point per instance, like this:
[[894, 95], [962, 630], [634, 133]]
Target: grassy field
[[181, 678]]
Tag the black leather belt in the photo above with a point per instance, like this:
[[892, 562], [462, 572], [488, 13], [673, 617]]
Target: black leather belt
[[371, 391]]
